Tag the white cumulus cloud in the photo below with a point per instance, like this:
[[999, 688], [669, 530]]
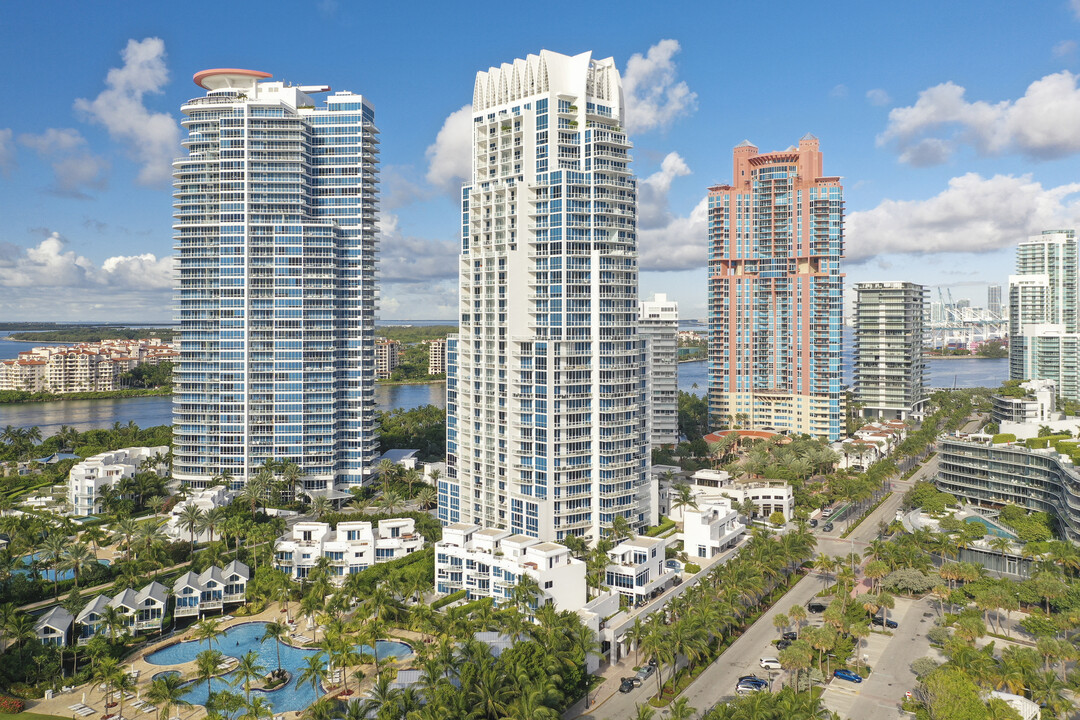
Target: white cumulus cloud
[[7, 152], [667, 241], [450, 156], [75, 168], [653, 97], [406, 258], [152, 138], [878, 97], [973, 214], [1044, 123]]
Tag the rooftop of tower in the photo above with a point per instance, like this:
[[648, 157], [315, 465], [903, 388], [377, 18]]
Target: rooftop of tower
[[222, 78]]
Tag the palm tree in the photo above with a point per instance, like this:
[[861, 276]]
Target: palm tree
[[427, 496], [275, 631], [115, 621], [52, 552], [166, 692], [682, 497], [190, 519], [320, 505], [798, 615], [257, 709], [207, 630], [77, 557], [644, 712], [313, 672], [681, 710], [248, 669], [206, 665]]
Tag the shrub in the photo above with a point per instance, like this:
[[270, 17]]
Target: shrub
[[452, 597], [923, 666], [10, 705], [1003, 438], [692, 568], [909, 580], [937, 635]]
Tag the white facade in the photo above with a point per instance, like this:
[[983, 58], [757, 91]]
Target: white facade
[[206, 500], [489, 562], [437, 357], [351, 548], [546, 406], [275, 209], [658, 326], [711, 528], [768, 496], [88, 478], [1044, 311], [636, 569], [211, 589]]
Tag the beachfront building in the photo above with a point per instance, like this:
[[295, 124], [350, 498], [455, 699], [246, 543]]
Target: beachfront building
[[658, 326], [490, 562], [546, 396], [89, 478], [1044, 313], [437, 357], [890, 333], [776, 238], [212, 589], [387, 358], [767, 496], [139, 611], [274, 225], [352, 547], [83, 367], [636, 569]]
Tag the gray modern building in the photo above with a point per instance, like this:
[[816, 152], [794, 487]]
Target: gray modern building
[[1044, 317], [890, 333], [658, 326]]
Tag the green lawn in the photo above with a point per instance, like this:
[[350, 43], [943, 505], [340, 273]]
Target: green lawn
[[30, 716]]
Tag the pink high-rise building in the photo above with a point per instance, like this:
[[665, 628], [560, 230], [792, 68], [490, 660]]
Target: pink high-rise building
[[776, 237]]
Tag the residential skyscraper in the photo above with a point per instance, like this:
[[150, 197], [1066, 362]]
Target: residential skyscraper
[[890, 333], [776, 237], [1044, 330], [546, 420], [993, 299], [658, 326], [275, 239]]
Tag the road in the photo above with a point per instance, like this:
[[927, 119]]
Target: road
[[717, 682]]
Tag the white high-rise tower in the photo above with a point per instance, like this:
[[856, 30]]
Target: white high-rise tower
[[546, 407], [275, 239]]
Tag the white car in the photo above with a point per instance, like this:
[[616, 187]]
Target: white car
[[770, 663]]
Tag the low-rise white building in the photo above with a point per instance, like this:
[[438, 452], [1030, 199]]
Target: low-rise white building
[[206, 500], [88, 478], [351, 548], [488, 562], [636, 569], [768, 496], [711, 528], [211, 589], [141, 610]]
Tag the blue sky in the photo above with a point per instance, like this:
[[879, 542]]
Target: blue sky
[[955, 125]]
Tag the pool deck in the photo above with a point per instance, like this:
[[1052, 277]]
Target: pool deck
[[95, 697]]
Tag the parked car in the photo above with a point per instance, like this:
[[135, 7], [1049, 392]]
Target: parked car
[[751, 683], [770, 663], [827, 527], [813, 522], [783, 644], [646, 672], [816, 606], [889, 623], [790, 635], [849, 675], [627, 685]]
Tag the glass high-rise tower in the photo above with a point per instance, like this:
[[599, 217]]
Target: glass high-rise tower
[[275, 209], [776, 237], [546, 404], [1044, 316]]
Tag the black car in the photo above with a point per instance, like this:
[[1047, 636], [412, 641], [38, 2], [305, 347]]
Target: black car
[[751, 683], [813, 522], [790, 635], [816, 606], [627, 685], [827, 527], [891, 624], [783, 644]]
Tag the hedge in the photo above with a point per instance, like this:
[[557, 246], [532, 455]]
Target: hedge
[[11, 705], [665, 525], [1003, 438], [1045, 441], [452, 597]]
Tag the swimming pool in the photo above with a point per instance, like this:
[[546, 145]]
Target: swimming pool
[[240, 639], [47, 574], [992, 528]]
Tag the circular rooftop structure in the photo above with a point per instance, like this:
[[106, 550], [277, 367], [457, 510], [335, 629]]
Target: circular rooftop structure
[[225, 78]]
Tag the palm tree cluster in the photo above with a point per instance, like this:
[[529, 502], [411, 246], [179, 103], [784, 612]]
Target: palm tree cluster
[[694, 625], [784, 705]]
